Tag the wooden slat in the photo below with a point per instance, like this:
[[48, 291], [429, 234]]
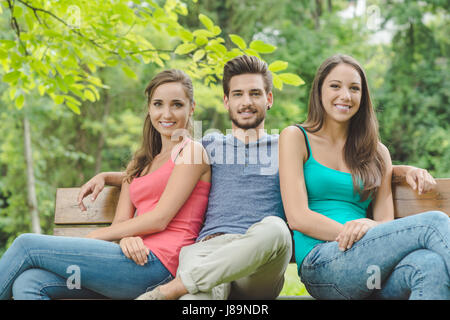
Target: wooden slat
[[100, 211], [75, 231], [408, 202]]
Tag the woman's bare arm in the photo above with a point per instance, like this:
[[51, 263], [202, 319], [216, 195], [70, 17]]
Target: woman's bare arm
[[182, 181], [292, 153]]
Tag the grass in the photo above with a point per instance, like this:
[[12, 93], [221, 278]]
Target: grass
[[292, 284]]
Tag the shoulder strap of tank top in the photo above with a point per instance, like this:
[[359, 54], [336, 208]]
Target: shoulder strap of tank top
[[308, 147]]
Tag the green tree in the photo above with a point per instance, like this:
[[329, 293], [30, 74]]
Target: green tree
[[415, 94], [89, 56]]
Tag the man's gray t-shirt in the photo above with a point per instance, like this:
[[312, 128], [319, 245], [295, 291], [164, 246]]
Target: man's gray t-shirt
[[245, 185]]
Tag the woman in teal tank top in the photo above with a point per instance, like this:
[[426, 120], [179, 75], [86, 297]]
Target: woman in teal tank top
[[331, 168]]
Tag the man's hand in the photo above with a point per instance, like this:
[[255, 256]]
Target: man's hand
[[94, 186], [420, 180]]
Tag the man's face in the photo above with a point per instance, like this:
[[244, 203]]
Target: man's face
[[247, 101]]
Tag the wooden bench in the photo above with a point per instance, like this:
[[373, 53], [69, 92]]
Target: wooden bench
[[71, 221]]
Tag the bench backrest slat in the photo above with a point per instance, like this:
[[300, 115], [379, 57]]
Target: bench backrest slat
[[100, 211], [408, 202], [71, 221]]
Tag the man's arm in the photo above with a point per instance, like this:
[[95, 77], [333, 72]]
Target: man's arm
[[96, 185], [418, 179]]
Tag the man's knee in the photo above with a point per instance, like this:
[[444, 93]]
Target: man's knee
[[276, 230]]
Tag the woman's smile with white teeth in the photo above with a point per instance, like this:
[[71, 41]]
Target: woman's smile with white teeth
[[166, 124], [342, 107]]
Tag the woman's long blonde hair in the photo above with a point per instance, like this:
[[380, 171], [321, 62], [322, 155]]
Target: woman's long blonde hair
[[361, 150], [151, 138]]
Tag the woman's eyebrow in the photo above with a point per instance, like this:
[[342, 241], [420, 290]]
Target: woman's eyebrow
[[341, 81]]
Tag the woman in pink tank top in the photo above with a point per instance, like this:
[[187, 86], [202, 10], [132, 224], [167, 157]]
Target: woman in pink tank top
[[161, 207]]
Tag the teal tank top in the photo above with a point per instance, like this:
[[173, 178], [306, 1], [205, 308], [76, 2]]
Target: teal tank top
[[331, 193]]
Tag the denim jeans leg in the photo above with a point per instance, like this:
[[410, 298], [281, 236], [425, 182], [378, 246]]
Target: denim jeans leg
[[421, 275], [38, 284], [102, 265], [329, 273]]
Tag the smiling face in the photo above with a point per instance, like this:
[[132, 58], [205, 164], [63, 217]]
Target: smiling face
[[341, 93], [247, 101], [170, 108]]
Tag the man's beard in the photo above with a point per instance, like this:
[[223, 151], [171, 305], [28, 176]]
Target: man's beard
[[250, 125]]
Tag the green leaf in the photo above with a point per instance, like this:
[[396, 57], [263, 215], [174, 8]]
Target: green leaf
[[291, 78], [278, 66], [58, 99], [17, 12], [262, 47], [186, 35], [216, 30], [72, 100], [73, 107], [217, 47], [89, 95], [12, 92], [201, 40], [12, 76], [207, 22], [41, 89], [185, 48], [203, 33], [3, 53], [277, 82], [198, 55], [252, 52], [164, 56], [129, 72], [146, 59], [20, 101], [237, 40]]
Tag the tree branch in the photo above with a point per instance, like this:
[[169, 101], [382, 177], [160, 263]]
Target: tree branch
[[15, 26], [78, 33]]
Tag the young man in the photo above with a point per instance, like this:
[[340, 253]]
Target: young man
[[244, 246]]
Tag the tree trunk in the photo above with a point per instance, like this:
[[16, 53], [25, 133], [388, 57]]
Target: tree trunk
[[31, 191], [330, 6], [317, 13], [101, 139]]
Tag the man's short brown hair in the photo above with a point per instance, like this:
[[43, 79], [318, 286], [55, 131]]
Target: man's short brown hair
[[246, 64]]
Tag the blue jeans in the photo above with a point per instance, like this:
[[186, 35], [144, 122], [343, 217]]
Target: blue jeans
[[408, 258], [50, 267]]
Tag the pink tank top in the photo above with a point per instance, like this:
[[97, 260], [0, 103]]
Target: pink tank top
[[183, 229]]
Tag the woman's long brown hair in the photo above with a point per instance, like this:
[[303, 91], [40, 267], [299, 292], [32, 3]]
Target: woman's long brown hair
[[361, 150], [151, 138]]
